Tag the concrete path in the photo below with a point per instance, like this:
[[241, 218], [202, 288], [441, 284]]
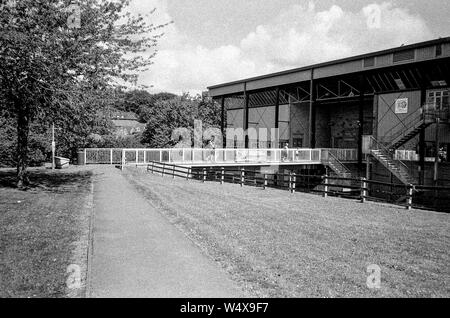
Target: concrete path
[[138, 253]]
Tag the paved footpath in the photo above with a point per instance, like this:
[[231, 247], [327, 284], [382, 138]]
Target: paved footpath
[[138, 253]]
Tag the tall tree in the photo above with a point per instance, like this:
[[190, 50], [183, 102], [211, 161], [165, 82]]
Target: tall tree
[[178, 112], [56, 55]]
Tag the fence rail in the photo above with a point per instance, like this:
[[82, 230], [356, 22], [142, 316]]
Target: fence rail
[[194, 156], [408, 196]]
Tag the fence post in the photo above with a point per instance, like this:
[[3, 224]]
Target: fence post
[[204, 174], [152, 166], [85, 156], [123, 159], [111, 156], [409, 196], [325, 180], [242, 176], [222, 175], [265, 181], [290, 181], [188, 173], [294, 181], [137, 156], [145, 156], [363, 190]]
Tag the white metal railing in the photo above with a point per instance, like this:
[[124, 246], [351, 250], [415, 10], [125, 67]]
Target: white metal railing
[[406, 155], [340, 154], [213, 156]]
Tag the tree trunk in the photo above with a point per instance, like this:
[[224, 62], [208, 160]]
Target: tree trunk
[[23, 128]]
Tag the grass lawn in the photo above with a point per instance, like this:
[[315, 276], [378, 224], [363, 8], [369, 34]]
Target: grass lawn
[[279, 244], [43, 230]]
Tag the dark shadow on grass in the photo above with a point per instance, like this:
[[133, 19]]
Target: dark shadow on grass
[[55, 181]]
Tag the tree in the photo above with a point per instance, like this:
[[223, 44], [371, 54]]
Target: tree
[[178, 112], [140, 102], [56, 57], [145, 108]]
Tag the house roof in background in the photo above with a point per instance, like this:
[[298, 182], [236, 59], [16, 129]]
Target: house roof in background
[[127, 123], [122, 115]]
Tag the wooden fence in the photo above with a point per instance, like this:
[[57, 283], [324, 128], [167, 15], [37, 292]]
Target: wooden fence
[[408, 196]]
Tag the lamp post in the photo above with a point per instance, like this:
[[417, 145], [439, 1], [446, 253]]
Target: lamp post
[[53, 145]]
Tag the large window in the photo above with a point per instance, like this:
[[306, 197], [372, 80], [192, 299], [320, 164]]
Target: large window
[[439, 98]]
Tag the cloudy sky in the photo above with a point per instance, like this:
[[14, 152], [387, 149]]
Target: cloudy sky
[[216, 41]]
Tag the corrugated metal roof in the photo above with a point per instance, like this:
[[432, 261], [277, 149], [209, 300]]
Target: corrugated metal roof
[[236, 86]]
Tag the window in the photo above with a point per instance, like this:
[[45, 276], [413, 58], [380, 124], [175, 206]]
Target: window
[[446, 100], [369, 62], [283, 142], [404, 56], [298, 143], [439, 98], [439, 50]]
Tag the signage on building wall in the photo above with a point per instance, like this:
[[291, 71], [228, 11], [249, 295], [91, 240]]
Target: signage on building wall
[[401, 106]]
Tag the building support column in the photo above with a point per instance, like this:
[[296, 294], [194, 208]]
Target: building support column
[[222, 121], [422, 150], [312, 113], [245, 116], [422, 145], [277, 109], [361, 121], [368, 176], [277, 117]]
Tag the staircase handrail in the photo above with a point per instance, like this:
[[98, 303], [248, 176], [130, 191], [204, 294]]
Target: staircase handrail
[[386, 151], [408, 123], [333, 159]]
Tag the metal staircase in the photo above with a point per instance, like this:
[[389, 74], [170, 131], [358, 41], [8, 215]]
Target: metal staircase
[[338, 169], [396, 167], [408, 128], [400, 134], [337, 166]]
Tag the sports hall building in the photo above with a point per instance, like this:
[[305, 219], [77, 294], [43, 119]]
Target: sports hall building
[[391, 107]]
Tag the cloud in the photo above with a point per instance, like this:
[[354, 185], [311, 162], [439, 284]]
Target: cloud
[[297, 36], [301, 36], [192, 68]]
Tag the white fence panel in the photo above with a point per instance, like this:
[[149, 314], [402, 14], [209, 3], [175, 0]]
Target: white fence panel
[[226, 156]]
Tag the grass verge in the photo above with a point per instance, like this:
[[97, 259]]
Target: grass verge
[[43, 230], [279, 244]]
